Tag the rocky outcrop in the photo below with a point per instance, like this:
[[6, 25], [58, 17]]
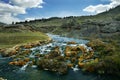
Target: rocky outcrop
[[54, 53], [20, 62], [53, 61], [53, 65], [18, 48]]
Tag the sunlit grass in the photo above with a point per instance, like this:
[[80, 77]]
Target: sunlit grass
[[12, 39]]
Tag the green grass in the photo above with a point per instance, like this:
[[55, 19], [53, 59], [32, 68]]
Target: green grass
[[11, 39]]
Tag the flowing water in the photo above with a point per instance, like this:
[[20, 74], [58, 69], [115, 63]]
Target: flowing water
[[32, 73]]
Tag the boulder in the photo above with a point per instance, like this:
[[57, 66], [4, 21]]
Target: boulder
[[27, 46], [54, 53], [71, 51], [81, 65], [70, 65], [8, 52], [53, 65], [72, 42], [18, 63]]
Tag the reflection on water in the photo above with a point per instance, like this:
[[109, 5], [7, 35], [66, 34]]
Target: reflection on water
[[32, 73]]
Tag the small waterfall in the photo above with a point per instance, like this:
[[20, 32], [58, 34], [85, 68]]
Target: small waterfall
[[75, 68], [23, 68]]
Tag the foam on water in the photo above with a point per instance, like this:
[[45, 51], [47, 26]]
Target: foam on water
[[23, 68], [75, 68]]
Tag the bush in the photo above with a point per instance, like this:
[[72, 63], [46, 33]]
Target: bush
[[101, 47], [117, 17]]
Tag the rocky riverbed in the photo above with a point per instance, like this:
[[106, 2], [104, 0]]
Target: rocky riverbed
[[61, 58]]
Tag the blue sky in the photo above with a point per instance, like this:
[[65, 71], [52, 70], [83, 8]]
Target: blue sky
[[20, 10]]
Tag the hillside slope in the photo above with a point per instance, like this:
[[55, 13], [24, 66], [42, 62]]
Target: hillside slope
[[12, 35], [104, 25]]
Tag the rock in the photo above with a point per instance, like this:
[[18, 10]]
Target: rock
[[27, 46], [11, 63], [17, 48], [101, 47], [83, 49], [60, 58], [88, 57], [28, 51], [67, 58], [18, 63], [54, 53], [2, 52], [70, 65], [8, 52], [53, 65], [72, 42], [13, 52], [71, 51], [90, 69], [96, 60], [81, 59], [81, 65], [73, 60], [95, 44], [37, 43], [27, 59]]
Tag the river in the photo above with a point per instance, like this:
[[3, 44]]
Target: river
[[25, 72]]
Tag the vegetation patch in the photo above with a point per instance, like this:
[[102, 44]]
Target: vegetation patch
[[9, 39]]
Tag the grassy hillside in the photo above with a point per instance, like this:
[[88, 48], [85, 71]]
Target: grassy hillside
[[105, 25], [12, 36]]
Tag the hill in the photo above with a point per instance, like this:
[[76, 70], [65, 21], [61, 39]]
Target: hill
[[104, 25], [12, 35]]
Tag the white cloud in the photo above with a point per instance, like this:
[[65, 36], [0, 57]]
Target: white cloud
[[6, 8], [101, 8], [9, 11], [27, 3], [30, 18], [7, 18]]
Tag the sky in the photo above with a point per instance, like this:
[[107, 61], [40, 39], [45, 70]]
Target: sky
[[20, 10]]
